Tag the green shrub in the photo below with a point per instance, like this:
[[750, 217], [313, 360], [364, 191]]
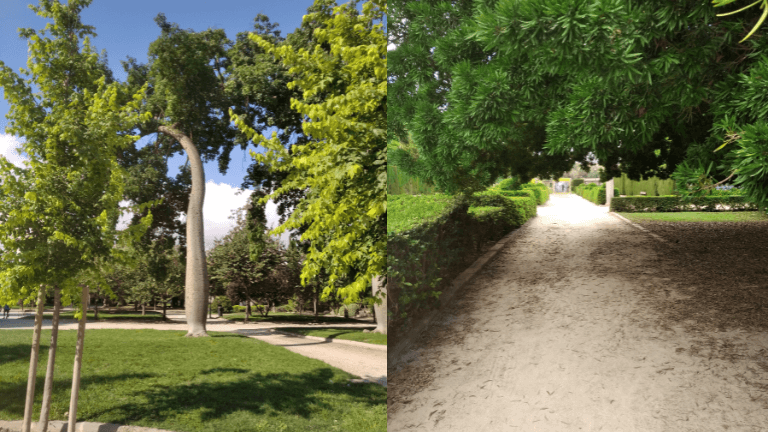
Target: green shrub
[[431, 238], [238, 308], [576, 182], [671, 203], [517, 210], [405, 212], [224, 302], [528, 193], [512, 183], [541, 191], [592, 192]]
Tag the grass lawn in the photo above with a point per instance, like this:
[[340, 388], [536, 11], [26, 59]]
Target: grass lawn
[[341, 333], [742, 216], [150, 316], [161, 379], [289, 317]]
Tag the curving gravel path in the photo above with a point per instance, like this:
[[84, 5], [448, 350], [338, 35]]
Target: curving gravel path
[[567, 330]]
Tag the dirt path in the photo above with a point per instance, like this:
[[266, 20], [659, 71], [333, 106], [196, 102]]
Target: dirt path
[[562, 332]]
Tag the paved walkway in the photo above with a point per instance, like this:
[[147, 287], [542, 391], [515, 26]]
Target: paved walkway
[[367, 361], [563, 332]]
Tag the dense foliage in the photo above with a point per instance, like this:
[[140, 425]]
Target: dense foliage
[[58, 212], [343, 167], [643, 86]]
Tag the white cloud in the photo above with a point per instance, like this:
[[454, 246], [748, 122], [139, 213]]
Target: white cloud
[[9, 146], [220, 201]]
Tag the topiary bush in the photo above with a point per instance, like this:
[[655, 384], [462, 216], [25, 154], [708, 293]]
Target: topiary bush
[[541, 191], [238, 308], [224, 302], [511, 183], [575, 183], [529, 193]]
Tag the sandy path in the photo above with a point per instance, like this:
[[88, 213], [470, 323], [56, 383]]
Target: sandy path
[[367, 361], [560, 333]]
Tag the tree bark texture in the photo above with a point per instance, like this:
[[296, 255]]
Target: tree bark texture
[[380, 310], [78, 363], [32, 377], [49, 372], [196, 283]]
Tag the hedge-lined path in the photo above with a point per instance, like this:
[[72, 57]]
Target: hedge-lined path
[[367, 361], [570, 329]]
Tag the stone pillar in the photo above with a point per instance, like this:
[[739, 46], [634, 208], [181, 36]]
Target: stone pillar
[[609, 193], [380, 310]]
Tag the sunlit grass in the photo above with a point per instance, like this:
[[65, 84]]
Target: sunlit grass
[[742, 216], [161, 379], [341, 333]]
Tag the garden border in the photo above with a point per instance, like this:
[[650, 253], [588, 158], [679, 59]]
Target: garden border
[[656, 236], [341, 341], [422, 323]]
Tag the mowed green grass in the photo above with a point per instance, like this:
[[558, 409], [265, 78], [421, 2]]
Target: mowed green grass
[[340, 333], [109, 316], [288, 317], [161, 379], [745, 216]]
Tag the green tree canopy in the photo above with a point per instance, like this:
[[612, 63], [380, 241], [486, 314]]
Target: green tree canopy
[[343, 167], [57, 213], [642, 86]]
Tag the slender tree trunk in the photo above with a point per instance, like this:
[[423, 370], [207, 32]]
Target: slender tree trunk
[[78, 363], [48, 389], [165, 306], [95, 311], [143, 309], [32, 377], [380, 310], [247, 308], [196, 284], [315, 294]]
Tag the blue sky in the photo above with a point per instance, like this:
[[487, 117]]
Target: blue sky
[[126, 29]]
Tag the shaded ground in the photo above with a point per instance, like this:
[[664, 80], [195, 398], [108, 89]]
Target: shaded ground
[[585, 323]]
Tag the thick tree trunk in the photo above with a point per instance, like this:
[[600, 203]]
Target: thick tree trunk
[[95, 311], [48, 389], [380, 311], [143, 309], [32, 377], [78, 363], [196, 284]]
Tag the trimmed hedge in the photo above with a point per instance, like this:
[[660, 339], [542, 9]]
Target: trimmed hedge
[[591, 192], [432, 238], [541, 191], [511, 183], [526, 193], [671, 203], [576, 182], [517, 209]]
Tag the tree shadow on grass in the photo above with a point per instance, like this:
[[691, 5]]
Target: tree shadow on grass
[[13, 396], [12, 353], [289, 394]]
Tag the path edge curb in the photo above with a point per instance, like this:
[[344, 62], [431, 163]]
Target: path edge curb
[[341, 341], [61, 426], [460, 281], [620, 217]]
